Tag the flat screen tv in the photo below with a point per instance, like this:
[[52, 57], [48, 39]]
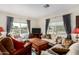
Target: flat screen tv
[[36, 30]]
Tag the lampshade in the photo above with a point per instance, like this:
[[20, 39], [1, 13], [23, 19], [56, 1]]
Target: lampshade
[[1, 29], [76, 31]]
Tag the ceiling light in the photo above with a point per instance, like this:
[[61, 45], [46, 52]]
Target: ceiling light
[[46, 6]]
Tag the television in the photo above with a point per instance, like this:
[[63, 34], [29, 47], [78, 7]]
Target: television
[[36, 30]]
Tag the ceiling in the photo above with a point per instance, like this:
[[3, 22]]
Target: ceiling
[[35, 10]]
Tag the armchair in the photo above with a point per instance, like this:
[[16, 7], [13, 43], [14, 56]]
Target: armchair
[[15, 47]]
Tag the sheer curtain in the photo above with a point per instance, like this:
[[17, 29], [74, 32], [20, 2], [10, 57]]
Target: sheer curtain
[[56, 27]]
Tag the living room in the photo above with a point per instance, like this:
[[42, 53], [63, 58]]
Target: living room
[[39, 29]]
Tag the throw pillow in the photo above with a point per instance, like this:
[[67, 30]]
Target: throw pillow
[[67, 43], [60, 51]]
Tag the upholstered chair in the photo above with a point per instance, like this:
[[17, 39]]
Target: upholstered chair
[[15, 47]]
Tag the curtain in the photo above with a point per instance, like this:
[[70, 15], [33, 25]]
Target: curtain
[[77, 21], [9, 23], [28, 24], [46, 25], [67, 24]]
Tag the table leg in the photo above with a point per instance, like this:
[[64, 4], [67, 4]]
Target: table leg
[[38, 52]]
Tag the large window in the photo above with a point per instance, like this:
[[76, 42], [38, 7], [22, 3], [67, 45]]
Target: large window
[[20, 30], [56, 27]]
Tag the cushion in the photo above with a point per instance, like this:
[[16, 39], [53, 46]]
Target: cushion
[[48, 52], [58, 46], [74, 49], [52, 52], [45, 53], [59, 40], [8, 44], [60, 51], [3, 50], [67, 43], [17, 44]]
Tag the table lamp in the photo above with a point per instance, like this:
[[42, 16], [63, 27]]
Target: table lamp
[[76, 31], [1, 30]]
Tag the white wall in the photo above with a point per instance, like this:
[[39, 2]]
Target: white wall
[[35, 23], [3, 21], [42, 25]]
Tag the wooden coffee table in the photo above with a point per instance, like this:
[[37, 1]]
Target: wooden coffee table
[[39, 44]]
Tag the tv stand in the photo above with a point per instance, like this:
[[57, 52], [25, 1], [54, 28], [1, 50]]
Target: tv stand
[[35, 35]]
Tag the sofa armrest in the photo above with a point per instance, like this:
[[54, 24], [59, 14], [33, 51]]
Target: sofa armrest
[[19, 52], [28, 47], [27, 44], [24, 51]]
